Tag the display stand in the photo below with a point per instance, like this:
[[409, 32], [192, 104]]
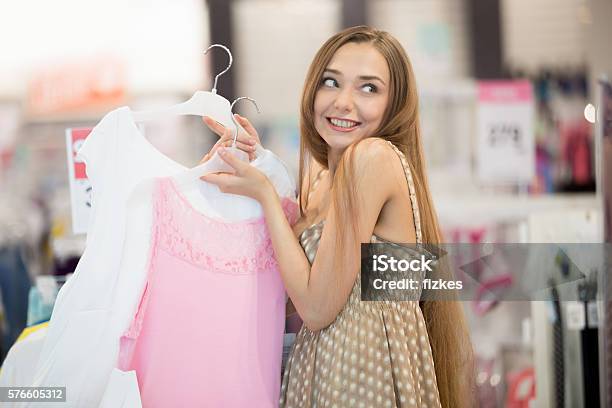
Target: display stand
[[604, 183]]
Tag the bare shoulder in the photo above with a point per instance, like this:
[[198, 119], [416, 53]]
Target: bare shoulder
[[381, 170], [373, 148], [386, 177], [374, 159]]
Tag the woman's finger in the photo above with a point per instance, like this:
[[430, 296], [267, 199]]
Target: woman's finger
[[227, 142], [243, 137], [244, 122], [213, 125], [221, 180], [213, 149], [212, 178], [248, 148], [219, 129], [230, 159]]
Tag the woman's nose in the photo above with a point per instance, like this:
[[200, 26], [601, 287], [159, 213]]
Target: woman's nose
[[344, 100]]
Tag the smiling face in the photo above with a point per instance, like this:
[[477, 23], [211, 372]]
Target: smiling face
[[352, 96]]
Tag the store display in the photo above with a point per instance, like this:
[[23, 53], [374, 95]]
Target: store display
[[504, 122], [605, 190], [589, 342], [14, 287], [22, 239], [564, 138], [521, 389], [558, 355], [80, 187], [487, 382], [41, 299]]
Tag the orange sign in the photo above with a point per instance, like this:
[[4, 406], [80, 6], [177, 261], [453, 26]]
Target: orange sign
[[77, 87]]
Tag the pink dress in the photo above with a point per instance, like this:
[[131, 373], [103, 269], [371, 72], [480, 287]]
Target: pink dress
[[208, 331]]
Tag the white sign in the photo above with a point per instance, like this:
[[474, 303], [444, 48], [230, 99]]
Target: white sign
[[575, 317], [593, 314], [80, 187], [506, 144]]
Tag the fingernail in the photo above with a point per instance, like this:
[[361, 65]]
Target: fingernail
[[252, 141]]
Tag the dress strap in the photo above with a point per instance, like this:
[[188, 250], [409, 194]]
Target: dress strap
[[412, 191]]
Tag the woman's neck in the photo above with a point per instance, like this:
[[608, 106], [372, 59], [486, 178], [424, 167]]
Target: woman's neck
[[333, 157]]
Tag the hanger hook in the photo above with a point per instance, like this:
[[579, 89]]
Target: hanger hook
[[253, 101], [231, 59]]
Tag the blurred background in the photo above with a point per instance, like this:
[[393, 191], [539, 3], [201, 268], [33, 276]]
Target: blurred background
[[510, 92]]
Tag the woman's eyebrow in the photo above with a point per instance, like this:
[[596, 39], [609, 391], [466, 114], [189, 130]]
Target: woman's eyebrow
[[333, 71], [371, 78], [362, 77]]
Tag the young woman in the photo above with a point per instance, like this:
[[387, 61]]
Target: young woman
[[361, 146]]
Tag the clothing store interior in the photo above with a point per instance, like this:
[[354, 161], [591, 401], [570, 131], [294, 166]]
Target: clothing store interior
[[516, 136]]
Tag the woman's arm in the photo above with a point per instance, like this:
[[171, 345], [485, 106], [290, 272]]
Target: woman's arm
[[319, 292]]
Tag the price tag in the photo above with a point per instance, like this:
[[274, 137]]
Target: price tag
[[506, 144], [80, 187], [593, 314], [575, 317]]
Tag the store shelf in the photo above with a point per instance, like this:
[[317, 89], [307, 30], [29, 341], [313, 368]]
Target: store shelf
[[93, 116], [487, 207]]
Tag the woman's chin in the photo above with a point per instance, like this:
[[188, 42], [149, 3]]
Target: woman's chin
[[341, 142]]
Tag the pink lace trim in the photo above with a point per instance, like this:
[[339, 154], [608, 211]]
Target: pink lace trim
[[127, 342], [241, 247]]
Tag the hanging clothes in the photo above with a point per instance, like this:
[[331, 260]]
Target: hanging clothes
[[14, 287], [97, 305], [225, 276]]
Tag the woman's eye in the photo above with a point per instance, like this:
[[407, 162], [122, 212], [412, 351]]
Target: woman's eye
[[329, 82], [369, 88]]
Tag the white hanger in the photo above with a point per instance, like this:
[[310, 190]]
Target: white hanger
[[216, 164], [202, 103], [258, 148]]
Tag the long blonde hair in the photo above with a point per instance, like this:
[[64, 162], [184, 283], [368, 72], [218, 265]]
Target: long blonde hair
[[446, 326]]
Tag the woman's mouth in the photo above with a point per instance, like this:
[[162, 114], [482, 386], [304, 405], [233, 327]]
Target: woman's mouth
[[342, 125]]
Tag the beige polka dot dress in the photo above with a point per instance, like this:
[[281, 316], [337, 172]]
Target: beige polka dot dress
[[375, 354]]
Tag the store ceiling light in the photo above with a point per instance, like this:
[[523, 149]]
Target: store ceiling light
[[495, 379], [589, 113]]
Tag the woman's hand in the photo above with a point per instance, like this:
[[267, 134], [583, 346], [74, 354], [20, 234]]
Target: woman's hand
[[245, 141], [246, 180]]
